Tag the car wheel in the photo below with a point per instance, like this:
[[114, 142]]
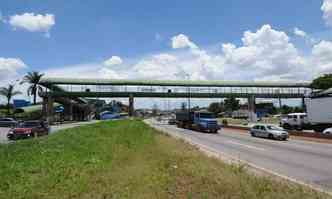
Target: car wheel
[[271, 136], [253, 134], [286, 126]]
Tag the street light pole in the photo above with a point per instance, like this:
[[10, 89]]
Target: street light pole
[[189, 93]]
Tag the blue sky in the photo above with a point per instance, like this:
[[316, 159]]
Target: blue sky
[[95, 30], [140, 39]]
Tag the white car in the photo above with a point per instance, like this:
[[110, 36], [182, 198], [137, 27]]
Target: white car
[[269, 131], [328, 131]]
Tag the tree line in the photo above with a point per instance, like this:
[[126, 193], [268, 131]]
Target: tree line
[[31, 78]]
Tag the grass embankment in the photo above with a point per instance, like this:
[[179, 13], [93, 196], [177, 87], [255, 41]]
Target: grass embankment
[[125, 159]]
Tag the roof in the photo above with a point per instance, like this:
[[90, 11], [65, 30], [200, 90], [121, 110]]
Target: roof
[[34, 108], [326, 92], [322, 93], [196, 83]]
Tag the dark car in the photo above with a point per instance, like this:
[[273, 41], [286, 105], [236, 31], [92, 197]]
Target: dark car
[[172, 121], [28, 129], [8, 122]]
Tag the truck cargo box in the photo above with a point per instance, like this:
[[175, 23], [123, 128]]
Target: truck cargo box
[[184, 116], [319, 110]]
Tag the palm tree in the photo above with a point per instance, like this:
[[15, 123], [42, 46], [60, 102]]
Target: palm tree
[[8, 92], [33, 78]]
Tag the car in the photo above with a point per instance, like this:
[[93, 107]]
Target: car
[[28, 129], [328, 131], [8, 122], [172, 121], [269, 131]]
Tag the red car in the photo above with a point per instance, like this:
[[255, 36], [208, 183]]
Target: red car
[[28, 129]]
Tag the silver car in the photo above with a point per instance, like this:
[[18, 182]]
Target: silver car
[[269, 131]]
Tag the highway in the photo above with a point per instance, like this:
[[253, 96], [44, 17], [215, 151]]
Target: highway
[[304, 161]]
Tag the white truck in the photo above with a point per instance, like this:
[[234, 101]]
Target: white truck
[[318, 116]]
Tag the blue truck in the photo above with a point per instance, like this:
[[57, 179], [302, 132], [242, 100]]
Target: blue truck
[[202, 121]]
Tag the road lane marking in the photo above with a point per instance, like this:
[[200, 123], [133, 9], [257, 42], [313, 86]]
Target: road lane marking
[[247, 146]]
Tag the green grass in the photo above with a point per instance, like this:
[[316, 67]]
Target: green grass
[[126, 159]]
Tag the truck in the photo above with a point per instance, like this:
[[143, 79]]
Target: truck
[[202, 121], [318, 116]]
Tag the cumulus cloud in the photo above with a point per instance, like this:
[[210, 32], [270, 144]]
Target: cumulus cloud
[[264, 52], [299, 32], [327, 11], [33, 22], [113, 61], [160, 66], [182, 41], [10, 66], [322, 57]]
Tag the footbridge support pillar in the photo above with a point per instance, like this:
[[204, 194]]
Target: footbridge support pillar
[[131, 105], [48, 109], [69, 112], [252, 109]]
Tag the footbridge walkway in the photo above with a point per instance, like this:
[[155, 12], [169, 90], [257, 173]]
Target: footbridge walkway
[[74, 88]]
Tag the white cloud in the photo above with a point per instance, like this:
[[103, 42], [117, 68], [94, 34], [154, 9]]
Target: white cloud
[[300, 33], [33, 22], [182, 41], [113, 61], [322, 57], [327, 11], [264, 52], [10, 66], [160, 66]]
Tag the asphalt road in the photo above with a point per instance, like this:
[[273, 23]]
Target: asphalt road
[[305, 161]]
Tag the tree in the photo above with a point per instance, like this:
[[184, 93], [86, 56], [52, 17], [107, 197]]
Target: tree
[[232, 104], [33, 78], [8, 92], [322, 82], [216, 107]]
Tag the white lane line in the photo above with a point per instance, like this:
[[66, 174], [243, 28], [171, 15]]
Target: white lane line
[[247, 146]]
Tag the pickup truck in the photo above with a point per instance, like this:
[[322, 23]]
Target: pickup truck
[[199, 120], [28, 129]]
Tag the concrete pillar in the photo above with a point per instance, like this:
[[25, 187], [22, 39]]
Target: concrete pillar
[[50, 109], [131, 105], [303, 105], [252, 109], [68, 112], [44, 109]]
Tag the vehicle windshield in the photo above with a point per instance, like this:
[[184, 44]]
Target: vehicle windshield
[[207, 115], [274, 128], [29, 124]]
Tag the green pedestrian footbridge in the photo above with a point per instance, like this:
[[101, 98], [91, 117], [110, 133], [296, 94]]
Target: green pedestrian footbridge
[[76, 89]]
